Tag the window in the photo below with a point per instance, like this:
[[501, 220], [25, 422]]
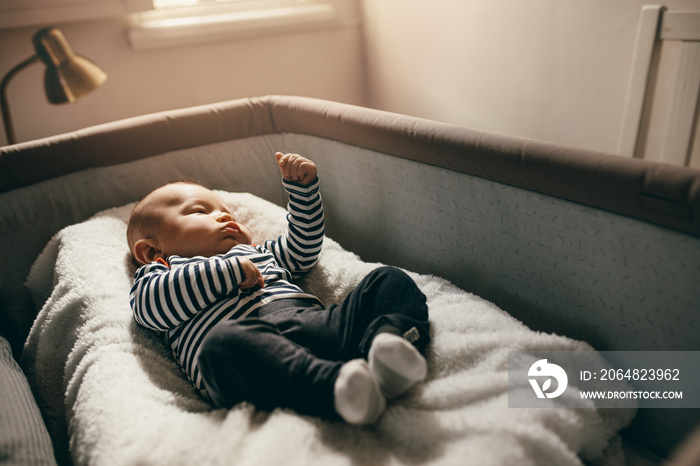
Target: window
[[184, 22], [161, 4]]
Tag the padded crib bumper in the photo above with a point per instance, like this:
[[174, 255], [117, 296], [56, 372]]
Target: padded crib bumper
[[662, 194]]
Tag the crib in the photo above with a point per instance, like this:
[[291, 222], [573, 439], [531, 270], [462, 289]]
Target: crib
[[593, 247]]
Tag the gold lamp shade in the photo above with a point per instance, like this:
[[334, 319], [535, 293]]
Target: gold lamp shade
[[68, 76]]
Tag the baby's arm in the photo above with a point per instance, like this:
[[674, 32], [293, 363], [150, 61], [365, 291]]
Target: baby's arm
[[299, 249], [163, 298]]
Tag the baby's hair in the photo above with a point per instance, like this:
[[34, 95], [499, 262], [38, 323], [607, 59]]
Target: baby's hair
[[143, 219]]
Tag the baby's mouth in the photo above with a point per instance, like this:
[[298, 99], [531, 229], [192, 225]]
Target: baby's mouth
[[231, 228]]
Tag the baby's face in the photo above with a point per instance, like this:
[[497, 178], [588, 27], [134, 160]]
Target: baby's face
[[195, 222]]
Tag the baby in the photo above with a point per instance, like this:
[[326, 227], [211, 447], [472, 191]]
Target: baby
[[243, 331]]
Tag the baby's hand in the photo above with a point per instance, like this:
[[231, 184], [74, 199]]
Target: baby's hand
[[251, 275], [296, 168]]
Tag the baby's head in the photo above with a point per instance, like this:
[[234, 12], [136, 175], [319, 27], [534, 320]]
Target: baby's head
[[183, 219]]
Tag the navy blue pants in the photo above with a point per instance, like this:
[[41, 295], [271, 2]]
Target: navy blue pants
[[289, 354]]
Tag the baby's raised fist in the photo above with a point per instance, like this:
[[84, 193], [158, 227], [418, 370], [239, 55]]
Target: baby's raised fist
[[296, 168]]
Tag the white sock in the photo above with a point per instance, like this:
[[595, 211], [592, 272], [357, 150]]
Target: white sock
[[357, 397], [395, 364]]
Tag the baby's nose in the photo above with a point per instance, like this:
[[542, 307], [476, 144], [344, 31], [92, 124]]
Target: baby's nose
[[224, 217]]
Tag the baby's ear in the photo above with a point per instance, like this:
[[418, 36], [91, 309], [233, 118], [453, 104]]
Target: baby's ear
[[145, 251]]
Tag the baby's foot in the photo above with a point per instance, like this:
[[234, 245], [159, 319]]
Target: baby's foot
[[357, 397], [395, 364]]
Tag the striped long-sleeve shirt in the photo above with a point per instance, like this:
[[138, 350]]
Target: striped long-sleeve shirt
[[186, 297]]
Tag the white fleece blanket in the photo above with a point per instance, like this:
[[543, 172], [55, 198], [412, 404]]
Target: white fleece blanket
[[113, 392]]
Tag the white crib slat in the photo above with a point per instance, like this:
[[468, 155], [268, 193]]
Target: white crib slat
[[639, 78], [679, 126]]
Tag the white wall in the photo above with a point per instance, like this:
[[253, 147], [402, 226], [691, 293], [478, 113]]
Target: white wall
[[325, 64], [554, 70]]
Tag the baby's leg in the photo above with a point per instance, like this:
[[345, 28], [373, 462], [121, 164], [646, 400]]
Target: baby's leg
[[396, 328], [250, 360], [386, 300]]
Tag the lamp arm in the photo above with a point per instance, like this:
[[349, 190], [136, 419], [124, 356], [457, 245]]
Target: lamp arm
[[7, 120]]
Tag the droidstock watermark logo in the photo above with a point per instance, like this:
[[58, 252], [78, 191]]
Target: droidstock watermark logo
[[605, 379], [551, 372]]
